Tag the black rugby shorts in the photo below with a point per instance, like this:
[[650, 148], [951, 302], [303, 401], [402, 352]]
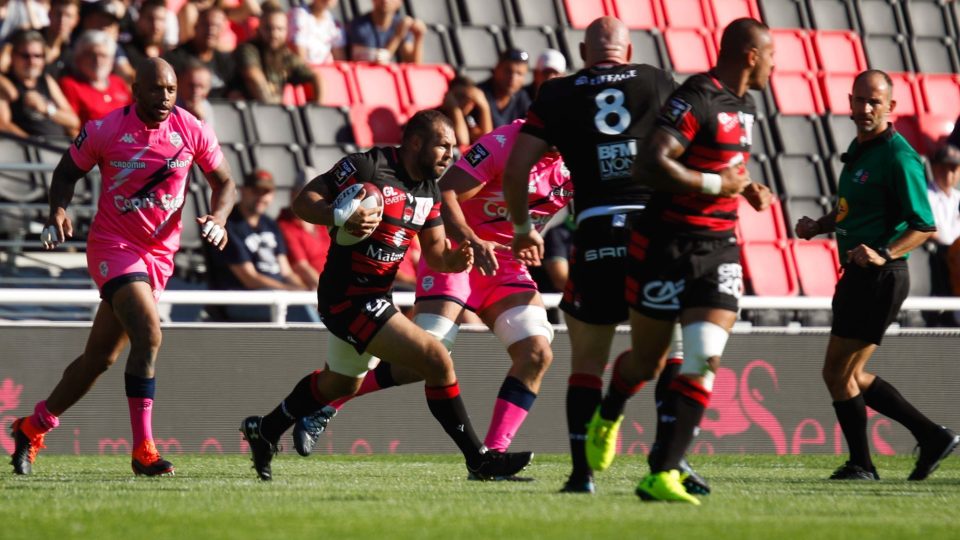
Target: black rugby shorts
[[868, 299]]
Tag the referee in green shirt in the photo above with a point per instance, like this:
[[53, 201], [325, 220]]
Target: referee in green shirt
[[881, 215]]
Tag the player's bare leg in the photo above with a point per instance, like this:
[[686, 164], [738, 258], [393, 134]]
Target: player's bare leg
[[590, 348]]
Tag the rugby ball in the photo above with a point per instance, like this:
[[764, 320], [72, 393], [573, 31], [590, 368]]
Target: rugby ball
[[372, 198]]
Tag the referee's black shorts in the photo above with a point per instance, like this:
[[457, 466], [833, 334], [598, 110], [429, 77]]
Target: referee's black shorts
[[868, 299]]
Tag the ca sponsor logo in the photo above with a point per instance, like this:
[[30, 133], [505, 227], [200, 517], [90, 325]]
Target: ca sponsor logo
[[730, 278], [616, 159], [663, 295]]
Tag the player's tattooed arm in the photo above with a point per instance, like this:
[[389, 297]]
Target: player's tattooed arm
[[662, 170]]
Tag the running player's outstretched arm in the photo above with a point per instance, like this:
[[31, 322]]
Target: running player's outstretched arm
[[668, 174], [59, 226], [457, 185], [435, 248], [222, 198], [527, 242]]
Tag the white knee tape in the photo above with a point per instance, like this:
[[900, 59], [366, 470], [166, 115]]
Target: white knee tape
[[342, 358], [521, 322], [702, 341], [676, 343], [439, 327]]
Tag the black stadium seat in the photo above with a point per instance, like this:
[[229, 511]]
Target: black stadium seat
[[434, 11], [935, 54], [648, 48], [230, 121], [538, 13], [487, 13], [785, 13], [800, 134], [19, 186], [880, 17], [479, 46], [532, 40], [326, 125], [276, 124], [833, 15], [802, 176], [889, 52], [570, 39]]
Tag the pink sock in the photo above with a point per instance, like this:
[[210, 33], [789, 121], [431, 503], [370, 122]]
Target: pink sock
[[42, 419], [504, 425], [368, 385], [141, 419]]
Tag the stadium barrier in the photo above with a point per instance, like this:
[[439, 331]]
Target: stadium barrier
[[768, 398]]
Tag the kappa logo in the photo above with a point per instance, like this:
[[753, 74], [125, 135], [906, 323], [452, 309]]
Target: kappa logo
[[127, 138], [501, 139], [176, 139], [663, 295]]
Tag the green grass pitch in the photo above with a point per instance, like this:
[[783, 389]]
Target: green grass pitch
[[426, 496]]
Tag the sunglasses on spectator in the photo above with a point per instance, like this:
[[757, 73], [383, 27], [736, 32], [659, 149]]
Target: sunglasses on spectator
[[28, 56]]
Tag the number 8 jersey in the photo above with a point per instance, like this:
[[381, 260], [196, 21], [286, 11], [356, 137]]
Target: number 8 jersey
[[599, 118]]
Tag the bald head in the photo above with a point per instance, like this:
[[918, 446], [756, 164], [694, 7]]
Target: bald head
[[746, 53], [155, 90], [871, 103], [742, 35], [606, 40]]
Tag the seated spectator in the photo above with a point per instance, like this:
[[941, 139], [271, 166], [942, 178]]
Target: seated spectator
[[466, 105], [170, 37], [105, 15], [945, 203], [504, 88], [31, 103], [265, 63], [385, 35], [22, 15], [256, 255], [550, 64], [193, 87], [307, 244], [64, 18], [317, 37], [93, 90], [203, 47], [149, 29]]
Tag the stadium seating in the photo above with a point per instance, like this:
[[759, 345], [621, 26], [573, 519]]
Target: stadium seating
[[478, 46], [426, 85], [768, 269], [536, 13], [434, 11], [276, 124], [797, 93], [638, 14], [839, 51], [380, 86], [487, 12], [326, 125], [833, 14], [767, 226], [817, 264], [785, 13], [338, 85], [692, 50], [686, 14], [722, 12], [794, 53], [580, 13]]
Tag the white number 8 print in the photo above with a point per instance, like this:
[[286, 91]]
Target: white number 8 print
[[610, 102]]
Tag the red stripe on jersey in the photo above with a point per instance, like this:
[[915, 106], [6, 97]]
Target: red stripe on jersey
[[442, 392], [354, 290], [690, 389], [637, 248], [534, 120], [688, 126], [708, 163], [631, 290], [337, 308], [703, 222]]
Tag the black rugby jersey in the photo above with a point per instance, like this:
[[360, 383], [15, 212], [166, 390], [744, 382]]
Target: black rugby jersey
[[598, 118], [368, 267], [715, 126]]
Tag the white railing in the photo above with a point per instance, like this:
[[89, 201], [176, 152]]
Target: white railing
[[280, 301]]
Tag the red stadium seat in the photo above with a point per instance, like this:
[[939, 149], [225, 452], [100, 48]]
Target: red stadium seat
[[638, 14], [338, 86], [380, 85], [941, 94], [581, 13], [839, 51], [691, 51], [766, 226], [925, 132], [836, 88], [726, 11], [375, 125], [686, 14], [817, 264], [906, 92], [793, 50], [426, 85], [797, 93], [768, 268]]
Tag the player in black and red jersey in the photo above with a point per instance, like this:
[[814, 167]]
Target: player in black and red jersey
[[684, 258], [354, 292], [598, 118]]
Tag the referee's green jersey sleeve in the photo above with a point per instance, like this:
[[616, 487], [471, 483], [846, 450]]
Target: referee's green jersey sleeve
[[910, 188]]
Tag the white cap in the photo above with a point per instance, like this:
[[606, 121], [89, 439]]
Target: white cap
[[552, 59]]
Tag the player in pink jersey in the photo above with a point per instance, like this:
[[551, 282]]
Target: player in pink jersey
[[500, 290], [144, 153]]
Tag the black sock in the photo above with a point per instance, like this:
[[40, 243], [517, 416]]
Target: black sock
[[384, 375], [670, 371], [300, 402], [677, 422], [618, 392], [447, 407], [887, 400], [852, 415], [583, 397]]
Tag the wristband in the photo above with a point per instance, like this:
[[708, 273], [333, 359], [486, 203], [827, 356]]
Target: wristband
[[523, 228], [711, 183]]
